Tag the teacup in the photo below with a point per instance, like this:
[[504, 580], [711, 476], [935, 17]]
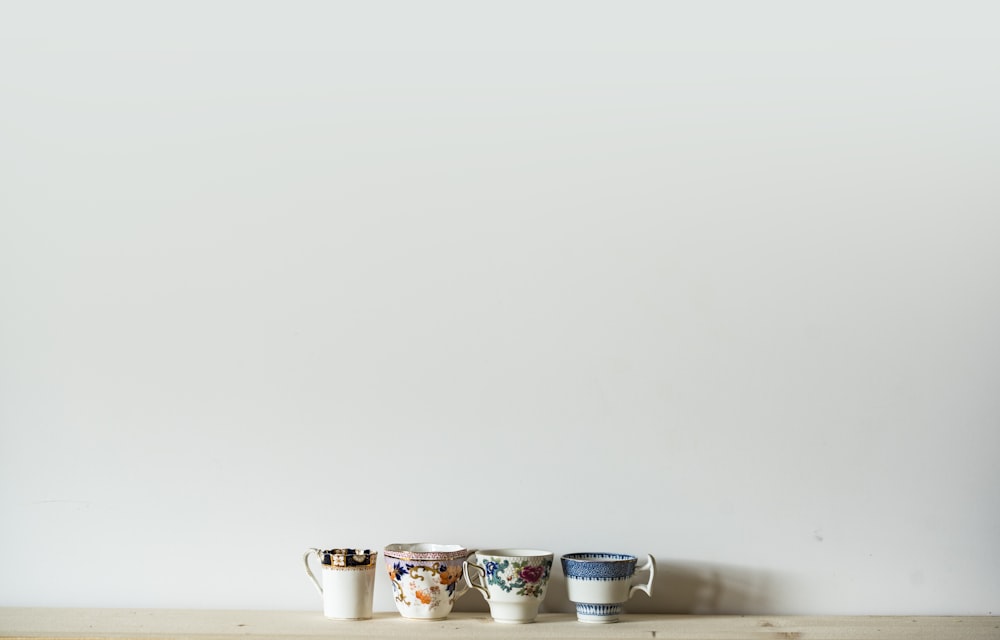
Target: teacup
[[426, 578], [348, 581], [600, 583], [513, 581]]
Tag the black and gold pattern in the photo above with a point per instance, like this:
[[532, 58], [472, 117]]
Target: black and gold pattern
[[347, 557]]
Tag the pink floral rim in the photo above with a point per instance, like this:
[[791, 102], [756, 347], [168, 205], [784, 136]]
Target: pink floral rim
[[401, 552]]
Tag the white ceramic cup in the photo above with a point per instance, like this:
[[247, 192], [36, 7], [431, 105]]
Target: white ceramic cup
[[426, 578], [513, 581], [601, 583], [348, 581]]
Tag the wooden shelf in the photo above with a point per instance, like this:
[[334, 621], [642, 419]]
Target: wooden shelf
[[294, 625]]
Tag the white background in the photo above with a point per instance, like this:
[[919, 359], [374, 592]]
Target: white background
[[717, 282]]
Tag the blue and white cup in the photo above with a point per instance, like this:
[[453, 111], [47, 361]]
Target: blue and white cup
[[600, 583]]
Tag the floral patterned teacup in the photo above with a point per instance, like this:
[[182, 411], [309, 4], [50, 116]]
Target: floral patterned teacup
[[426, 578], [512, 580]]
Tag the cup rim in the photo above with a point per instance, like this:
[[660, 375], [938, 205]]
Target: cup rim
[[345, 551], [514, 552], [601, 557], [346, 557], [425, 551]]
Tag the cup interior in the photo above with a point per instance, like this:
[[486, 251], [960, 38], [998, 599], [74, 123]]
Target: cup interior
[[426, 551], [513, 553]]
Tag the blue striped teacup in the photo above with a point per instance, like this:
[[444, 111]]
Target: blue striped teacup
[[600, 583]]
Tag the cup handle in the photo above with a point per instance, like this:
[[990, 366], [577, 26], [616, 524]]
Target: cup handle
[[305, 561], [481, 587], [648, 587], [461, 588]]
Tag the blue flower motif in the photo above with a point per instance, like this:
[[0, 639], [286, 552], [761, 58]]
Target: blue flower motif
[[400, 570], [491, 567]]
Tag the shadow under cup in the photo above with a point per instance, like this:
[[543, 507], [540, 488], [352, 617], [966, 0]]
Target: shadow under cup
[[600, 583], [513, 581]]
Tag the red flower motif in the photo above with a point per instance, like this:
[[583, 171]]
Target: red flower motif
[[531, 574]]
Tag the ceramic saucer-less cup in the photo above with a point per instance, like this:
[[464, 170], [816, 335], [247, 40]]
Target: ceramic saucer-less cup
[[600, 583], [348, 581], [426, 578], [512, 580]]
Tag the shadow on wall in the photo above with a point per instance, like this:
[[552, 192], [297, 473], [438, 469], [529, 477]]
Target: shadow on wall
[[473, 602], [691, 588]]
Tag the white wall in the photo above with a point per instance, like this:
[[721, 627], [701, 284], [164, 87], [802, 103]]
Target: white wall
[[716, 282]]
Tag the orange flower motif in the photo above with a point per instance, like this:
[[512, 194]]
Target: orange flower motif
[[451, 575], [423, 596]]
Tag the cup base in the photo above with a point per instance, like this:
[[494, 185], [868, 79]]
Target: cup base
[[598, 613], [419, 616], [502, 621], [521, 611]]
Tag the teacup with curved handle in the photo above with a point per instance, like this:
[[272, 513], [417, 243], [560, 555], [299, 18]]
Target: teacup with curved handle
[[426, 578], [513, 581], [600, 583], [348, 583]]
